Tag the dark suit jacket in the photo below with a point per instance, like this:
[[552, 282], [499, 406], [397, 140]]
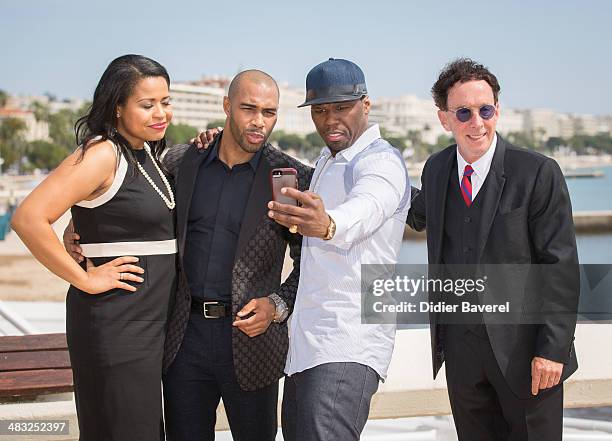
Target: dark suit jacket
[[526, 218], [260, 253]]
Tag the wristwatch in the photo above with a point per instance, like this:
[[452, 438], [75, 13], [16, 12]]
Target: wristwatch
[[282, 311], [331, 229]]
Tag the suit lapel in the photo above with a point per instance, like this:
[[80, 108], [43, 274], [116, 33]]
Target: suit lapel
[[188, 171], [439, 196], [495, 182], [257, 204]]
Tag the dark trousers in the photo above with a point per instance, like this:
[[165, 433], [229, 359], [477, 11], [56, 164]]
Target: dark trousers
[[201, 374], [484, 408], [329, 402]]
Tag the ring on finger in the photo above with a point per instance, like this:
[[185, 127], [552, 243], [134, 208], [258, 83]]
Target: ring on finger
[[293, 229], [120, 276]]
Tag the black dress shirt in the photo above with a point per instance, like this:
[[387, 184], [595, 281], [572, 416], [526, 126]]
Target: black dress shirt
[[217, 207]]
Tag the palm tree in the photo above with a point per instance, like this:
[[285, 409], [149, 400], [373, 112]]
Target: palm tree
[[41, 111]]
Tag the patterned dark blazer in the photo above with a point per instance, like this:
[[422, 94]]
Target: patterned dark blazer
[[260, 253]]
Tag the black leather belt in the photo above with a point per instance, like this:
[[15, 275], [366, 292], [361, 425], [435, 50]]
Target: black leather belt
[[210, 309]]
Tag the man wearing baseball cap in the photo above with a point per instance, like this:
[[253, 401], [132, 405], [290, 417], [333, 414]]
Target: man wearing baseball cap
[[353, 214]]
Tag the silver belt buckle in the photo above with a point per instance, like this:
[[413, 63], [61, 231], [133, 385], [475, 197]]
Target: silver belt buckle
[[204, 309]]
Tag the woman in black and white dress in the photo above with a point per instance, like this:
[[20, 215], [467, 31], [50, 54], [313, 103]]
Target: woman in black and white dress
[[122, 206]]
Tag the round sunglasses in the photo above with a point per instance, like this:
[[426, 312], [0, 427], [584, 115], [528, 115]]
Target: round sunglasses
[[464, 114]]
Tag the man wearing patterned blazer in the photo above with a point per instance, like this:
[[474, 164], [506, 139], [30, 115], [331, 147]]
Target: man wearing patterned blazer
[[227, 336]]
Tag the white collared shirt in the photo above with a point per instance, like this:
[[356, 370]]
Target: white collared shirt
[[368, 199], [481, 167]]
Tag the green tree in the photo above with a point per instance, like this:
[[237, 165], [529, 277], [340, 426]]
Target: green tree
[[41, 111], [311, 146], [276, 135], [314, 140], [588, 144], [45, 155], [398, 142], [603, 142], [180, 134], [3, 98], [215, 123], [291, 141], [414, 137], [61, 128], [444, 141], [553, 142], [12, 141], [522, 139]]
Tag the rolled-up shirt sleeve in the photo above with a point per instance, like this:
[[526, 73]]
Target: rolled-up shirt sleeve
[[380, 181]]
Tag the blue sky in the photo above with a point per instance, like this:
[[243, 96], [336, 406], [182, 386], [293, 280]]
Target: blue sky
[[552, 54]]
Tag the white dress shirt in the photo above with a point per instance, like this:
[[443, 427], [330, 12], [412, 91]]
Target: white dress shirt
[[481, 167], [368, 199]]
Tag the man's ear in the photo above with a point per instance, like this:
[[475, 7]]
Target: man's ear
[[443, 117], [226, 105], [366, 104]]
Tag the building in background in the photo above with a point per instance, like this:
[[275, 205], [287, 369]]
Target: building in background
[[401, 115], [199, 103], [511, 120], [23, 107], [35, 130], [54, 105], [196, 105], [292, 119]]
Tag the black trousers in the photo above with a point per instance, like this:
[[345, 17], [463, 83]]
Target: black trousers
[[203, 373], [484, 408]]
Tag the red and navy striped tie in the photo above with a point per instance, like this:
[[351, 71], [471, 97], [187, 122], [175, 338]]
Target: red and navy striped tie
[[466, 185]]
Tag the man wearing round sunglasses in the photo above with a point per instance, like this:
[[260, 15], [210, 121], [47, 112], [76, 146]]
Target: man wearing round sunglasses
[[484, 201]]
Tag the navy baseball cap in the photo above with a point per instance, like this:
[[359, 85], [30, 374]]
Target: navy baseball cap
[[333, 81]]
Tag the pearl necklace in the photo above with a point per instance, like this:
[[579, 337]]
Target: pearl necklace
[[169, 202]]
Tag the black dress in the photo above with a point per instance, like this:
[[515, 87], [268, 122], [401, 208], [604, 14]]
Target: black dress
[[116, 338]]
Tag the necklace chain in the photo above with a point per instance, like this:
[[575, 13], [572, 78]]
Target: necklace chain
[[169, 202]]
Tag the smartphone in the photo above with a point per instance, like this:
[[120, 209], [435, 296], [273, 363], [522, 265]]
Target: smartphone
[[280, 178]]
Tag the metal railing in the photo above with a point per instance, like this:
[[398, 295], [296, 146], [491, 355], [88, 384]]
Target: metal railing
[[16, 320]]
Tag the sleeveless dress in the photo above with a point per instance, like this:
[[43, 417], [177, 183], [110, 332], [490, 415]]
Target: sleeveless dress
[[116, 338]]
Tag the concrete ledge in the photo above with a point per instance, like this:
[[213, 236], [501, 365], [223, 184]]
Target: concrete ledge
[[410, 403], [588, 393], [593, 221], [402, 404]]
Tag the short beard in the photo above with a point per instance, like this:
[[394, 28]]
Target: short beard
[[339, 146], [241, 139]]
